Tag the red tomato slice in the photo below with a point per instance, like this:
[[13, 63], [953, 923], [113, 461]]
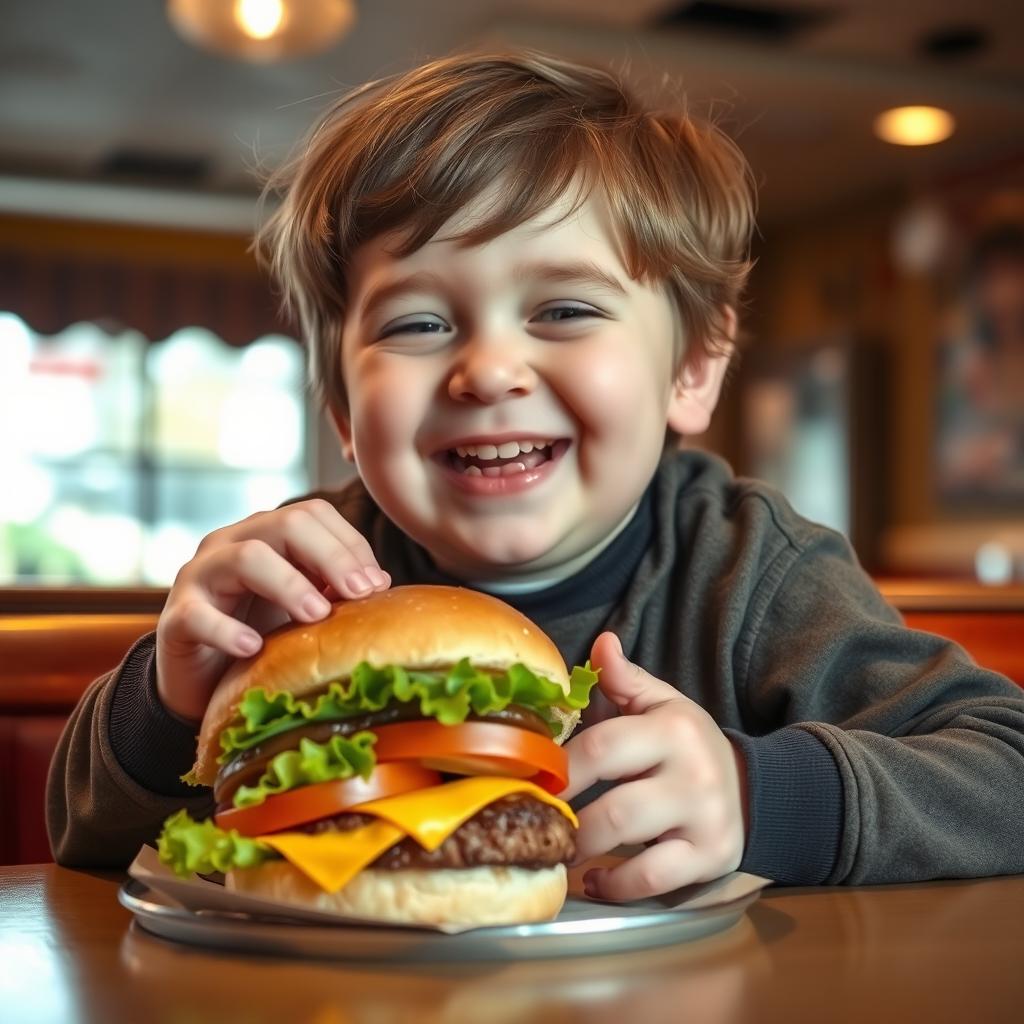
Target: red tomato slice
[[476, 748], [323, 799]]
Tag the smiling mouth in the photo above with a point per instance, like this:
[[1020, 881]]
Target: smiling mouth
[[506, 459]]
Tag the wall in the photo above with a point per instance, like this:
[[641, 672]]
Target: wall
[[833, 275]]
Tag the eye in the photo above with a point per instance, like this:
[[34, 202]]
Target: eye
[[562, 313], [411, 326]]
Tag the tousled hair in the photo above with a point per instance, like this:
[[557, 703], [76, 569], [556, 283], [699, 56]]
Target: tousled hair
[[408, 152]]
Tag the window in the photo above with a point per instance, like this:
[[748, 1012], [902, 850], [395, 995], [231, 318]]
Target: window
[[119, 455]]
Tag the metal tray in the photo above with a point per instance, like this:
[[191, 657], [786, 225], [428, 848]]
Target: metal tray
[[582, 928]]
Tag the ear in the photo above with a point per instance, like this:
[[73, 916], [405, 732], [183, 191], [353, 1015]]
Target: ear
[[699, 384], [343, 426]]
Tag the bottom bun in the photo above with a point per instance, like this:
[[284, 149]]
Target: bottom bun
[[470, 896]]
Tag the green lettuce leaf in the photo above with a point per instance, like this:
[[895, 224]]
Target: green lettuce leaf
[[447, 696], [340, 757], [188, 846]]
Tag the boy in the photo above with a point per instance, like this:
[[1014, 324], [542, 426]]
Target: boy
[[518, 287]]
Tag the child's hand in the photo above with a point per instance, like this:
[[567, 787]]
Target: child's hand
[[244, 580], [683, 788]]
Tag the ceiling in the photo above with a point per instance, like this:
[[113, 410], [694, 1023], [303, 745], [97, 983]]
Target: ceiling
[[101, 103]]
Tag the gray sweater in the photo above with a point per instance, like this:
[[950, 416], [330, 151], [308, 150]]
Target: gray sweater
[[874, 753]]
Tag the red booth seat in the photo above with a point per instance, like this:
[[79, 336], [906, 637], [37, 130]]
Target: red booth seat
[[46, 662]]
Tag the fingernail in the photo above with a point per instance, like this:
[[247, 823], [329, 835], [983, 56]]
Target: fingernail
[[248, 643], [358, 582], [315, 606], [376, 576]]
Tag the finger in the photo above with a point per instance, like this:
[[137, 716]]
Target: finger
[[254, 567], [316, 537], [335, 557], [617, 748], [339, 527], [334, 522], [627, 685], [194, 621], [660, 868], [635, 812]]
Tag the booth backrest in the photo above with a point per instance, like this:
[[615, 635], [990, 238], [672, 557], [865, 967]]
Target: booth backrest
[[47, 659], [46, 662], [994, 639], [988, 622]]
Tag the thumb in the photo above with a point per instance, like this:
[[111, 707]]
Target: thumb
[[626, 685]]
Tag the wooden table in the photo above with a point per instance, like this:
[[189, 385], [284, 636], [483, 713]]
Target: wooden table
[[942, 951]]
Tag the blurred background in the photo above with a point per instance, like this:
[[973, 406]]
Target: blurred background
[[149, 391]]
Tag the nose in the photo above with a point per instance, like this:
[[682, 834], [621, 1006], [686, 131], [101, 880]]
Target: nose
[[490, 370]]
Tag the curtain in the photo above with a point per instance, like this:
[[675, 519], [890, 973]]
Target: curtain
[[54, 274]]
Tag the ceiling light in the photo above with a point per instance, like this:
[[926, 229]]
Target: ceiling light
[[262, 30], [259, 19], [914, 126]]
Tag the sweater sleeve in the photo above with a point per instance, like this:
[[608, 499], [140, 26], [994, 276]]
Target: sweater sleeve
[[795, 800], [114, 775], [927, 747]]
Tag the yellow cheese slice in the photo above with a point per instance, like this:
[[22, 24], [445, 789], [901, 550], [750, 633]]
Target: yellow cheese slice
[[430, 816], [333, 859]]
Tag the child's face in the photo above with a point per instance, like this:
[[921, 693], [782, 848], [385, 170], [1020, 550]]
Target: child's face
[[490, 345]]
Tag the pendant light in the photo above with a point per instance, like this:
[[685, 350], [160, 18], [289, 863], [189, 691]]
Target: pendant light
[[262, 30]]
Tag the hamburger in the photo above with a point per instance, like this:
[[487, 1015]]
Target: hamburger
[[397, 761]]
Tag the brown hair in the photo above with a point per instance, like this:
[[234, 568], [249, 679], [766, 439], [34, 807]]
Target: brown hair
[[409, 151]]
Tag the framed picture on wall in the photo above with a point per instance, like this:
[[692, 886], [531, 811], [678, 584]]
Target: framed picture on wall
[[979, 439], [811, 425]]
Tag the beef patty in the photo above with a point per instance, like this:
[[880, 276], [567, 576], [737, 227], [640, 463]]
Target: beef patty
[[517, 830]]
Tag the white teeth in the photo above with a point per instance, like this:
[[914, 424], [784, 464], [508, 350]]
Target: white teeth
[[508, 450], [487, 452]]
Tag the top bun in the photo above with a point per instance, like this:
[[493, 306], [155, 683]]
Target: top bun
[[417, 627]]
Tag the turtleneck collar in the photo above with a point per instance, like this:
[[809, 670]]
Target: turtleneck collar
[[598, 583]]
